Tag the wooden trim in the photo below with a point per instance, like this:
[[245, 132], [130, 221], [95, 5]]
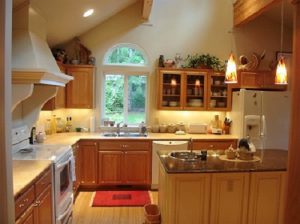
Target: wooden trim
[[247, 10], [292, 214], [147, 6], [6, 190]]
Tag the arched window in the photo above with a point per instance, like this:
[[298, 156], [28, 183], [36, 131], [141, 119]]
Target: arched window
[[125, 54], [125, 84]]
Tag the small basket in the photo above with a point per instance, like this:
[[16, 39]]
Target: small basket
[[230, 154], [152, 214], [246, 155]]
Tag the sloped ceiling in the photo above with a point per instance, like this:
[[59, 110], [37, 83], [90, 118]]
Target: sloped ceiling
[[65, 20]]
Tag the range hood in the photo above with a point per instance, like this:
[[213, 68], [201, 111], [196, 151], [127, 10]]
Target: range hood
[[32, 60]]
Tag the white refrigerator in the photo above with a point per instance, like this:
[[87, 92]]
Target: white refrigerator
[[264, 116]]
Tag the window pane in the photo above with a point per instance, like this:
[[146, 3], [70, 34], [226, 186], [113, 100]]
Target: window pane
[[126, 55], [114, 97], [136, 99]]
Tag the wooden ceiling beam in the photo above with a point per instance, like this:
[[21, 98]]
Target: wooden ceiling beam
[[247, 10], [147, 6]]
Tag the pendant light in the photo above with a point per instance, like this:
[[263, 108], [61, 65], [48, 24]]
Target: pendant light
[[231, 73], [281, 73]]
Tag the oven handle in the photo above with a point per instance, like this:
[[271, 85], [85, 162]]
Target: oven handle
[[63, 164], [65, 213]]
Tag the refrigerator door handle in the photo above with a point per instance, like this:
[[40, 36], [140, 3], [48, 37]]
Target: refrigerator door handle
[[263, 126]]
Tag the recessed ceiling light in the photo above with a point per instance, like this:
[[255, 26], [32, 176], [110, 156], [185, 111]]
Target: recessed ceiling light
[[88, 12]]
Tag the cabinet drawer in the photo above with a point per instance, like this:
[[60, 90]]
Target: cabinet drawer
[[43, 182], [24, 201], [127, 145], [224, 144]]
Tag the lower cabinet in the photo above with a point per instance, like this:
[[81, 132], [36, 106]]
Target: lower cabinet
[[215, 144], [87, 162], [229, 199], [235, 198], [267, 198], [124, 163], [35, 204]]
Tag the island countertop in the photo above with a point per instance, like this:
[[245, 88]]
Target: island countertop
[[270, 160]]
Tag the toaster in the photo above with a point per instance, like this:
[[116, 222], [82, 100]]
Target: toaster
[[198, 128]]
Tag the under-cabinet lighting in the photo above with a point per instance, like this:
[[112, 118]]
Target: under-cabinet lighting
[[88, 13]]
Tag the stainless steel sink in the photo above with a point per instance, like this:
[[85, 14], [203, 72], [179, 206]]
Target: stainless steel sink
[[110, 134], [185, 156]]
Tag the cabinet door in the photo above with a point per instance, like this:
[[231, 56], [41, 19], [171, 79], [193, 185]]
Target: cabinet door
[[229, 199], [44, 208], [137, 167], [219, 95], [214, 144], [88, 162], [80, 91], [195, 91], [110, 167], [267, 197], [170, 90], [251, 80], [27, 217]]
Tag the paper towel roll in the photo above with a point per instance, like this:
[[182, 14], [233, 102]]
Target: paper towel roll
[[92, 124]]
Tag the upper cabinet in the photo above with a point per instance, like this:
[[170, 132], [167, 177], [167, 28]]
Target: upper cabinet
[[192, 89], [79, 93]]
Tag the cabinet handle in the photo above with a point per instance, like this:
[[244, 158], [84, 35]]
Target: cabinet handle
[[125, 146], [35, 205], [25, 200], [38, 202], [95, 143], [211, 146], [21, 205]]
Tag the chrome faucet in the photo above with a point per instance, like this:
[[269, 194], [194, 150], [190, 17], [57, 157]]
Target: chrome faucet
[[119, 127], [191, 145]]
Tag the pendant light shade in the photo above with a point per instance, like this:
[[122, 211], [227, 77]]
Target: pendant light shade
[[281, 73], [231, 73]]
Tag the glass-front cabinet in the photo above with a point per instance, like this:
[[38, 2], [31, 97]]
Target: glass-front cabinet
[[192, 89], [170, 91], [218, 96], [195, 87]]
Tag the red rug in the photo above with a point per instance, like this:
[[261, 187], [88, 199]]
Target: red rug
[[121, 198]]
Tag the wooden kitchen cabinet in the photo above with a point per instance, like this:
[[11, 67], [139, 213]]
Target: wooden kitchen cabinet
[[110, 167], [267, 197], [258, 80], [229, 203], [192, 89], [219, 94], [124, 162], [216, 144], [34, 205], [80, 91], [184, 198], [87, 161], [76, 183]]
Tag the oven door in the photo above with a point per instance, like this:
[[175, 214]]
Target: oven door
[[63, 183], [65, 217]]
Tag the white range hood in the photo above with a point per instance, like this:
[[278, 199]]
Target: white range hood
[[32, 60]]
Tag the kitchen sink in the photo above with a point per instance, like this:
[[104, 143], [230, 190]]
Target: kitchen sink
[[185, 156]]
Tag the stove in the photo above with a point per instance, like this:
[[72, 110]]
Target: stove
[[63, 170]]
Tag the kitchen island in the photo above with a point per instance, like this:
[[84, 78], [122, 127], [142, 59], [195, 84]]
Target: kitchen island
[[217, 191]]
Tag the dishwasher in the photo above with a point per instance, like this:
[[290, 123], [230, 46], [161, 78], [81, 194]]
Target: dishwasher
[[165, 145]]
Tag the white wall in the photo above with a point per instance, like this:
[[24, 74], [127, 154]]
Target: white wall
[[186, 27]]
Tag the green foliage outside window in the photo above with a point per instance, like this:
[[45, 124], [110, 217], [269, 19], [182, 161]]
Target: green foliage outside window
[[126, 55]]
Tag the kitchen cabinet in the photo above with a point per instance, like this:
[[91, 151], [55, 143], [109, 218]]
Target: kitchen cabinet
[[80, 91], [228, 201], [124, 162], [34, 205], [215, 144], [184, 198], [219, 95], [87, 161], [258, 80], [267, 197], [192, 89]]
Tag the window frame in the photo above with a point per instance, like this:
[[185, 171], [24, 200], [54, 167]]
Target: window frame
[[126, 70]]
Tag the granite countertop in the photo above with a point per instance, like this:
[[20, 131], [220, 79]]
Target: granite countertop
[[271, 160], [72, 137], [25, 172]]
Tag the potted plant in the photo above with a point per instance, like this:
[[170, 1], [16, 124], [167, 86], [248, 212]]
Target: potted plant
[[204, 61]]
